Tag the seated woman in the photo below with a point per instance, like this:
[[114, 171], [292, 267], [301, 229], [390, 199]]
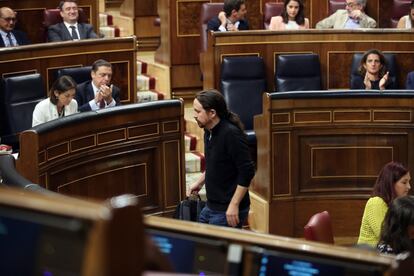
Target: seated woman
[[373, 72], [397, 233], [60, 102], [407, 21], [292, 17], [393, 181]]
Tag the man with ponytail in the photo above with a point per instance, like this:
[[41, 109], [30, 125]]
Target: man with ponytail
[[229, 167]]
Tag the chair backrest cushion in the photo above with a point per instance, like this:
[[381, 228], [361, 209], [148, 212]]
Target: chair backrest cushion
[[271, 9], [391, 64], [20, 96], [298, 72], [319, 228], [208, 11], [399, 9], [243, 81], [79, 74], [335, 5]]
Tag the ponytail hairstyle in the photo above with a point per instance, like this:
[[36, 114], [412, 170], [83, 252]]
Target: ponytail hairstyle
[[212, 99]]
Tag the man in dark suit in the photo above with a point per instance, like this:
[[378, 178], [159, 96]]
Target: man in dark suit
[[232, 18], [10, 37], [70, 29], [98, 93]]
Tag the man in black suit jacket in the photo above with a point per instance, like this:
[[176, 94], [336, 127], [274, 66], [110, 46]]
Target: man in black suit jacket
[[70, 29], [8, 35], [98, 93], [232, 18]]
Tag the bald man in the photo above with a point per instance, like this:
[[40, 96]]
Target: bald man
[[9, 36]]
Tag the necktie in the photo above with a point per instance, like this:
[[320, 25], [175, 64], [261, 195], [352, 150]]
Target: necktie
[[74, 34], [10, 39], [102, 104]]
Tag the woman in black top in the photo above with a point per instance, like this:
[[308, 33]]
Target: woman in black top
[[374, 74]]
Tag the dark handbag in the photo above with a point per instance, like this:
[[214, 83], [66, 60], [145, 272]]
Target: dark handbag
[[189, 209]]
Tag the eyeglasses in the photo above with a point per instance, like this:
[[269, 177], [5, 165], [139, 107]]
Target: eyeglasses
[[9, 19], [350, 4]]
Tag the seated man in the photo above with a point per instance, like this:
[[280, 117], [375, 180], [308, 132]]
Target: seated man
[[352, 17], [98, 93], [10, 37], [70, 29], [231, 19]]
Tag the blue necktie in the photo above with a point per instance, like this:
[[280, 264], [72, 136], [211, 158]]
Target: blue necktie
[[11, 44], [74, 34]]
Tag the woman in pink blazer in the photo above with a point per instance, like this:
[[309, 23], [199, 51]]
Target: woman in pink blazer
[[292, 17]]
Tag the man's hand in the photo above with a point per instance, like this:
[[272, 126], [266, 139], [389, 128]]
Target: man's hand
[[232, 215], [223, 19], [106, 92], [194, 189], [356, 14]]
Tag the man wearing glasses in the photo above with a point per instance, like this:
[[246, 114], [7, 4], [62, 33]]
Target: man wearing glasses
[[70, 28], [352, 17], [9, 37]]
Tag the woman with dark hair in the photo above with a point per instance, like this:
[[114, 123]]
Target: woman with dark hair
[[397, 233], [393, 181], [407, 21], [373, 72], [60, 102], [292, 17]]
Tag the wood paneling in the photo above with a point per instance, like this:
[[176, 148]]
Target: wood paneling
[[47, 58], [136, 149], [334, 47], [30, 15], [329, 156]]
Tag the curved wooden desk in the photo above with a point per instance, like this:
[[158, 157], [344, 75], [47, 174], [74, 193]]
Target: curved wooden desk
[[136, 149], [322, 150]]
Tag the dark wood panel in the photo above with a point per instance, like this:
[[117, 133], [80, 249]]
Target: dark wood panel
[[47, 58], [108, 153], [328, 156]]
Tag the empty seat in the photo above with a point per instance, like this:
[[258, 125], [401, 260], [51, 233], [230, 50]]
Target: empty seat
[[79, 74], [271, 9], [391, 64], [208, 11], [298, 72], [19, 98], [243, 82], [319, 228]]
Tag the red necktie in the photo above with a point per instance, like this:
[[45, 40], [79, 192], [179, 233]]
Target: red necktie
[[102, 104]]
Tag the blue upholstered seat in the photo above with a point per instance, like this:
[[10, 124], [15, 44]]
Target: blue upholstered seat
[[298, 72], [19, 97], [243, 82], [79, 74]]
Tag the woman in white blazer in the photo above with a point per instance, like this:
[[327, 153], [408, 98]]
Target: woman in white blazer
[[60, 102]]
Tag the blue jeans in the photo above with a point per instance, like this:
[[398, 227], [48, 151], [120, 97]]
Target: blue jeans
[[219, 217]]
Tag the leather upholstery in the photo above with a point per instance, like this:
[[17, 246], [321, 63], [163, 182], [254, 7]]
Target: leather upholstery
[[319, 228], [335, 5], [399, 9], [52, 17], [19, 98], [79, 74], [243, 82], [271, 9], [208, 11], [298, 72], [391, 67], [12, 178]]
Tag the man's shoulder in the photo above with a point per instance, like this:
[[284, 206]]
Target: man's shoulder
[[213, 24], [57, 26], [83, 85]]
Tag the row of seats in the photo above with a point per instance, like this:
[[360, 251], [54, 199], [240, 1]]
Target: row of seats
[[19, 96], [243, 82]]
